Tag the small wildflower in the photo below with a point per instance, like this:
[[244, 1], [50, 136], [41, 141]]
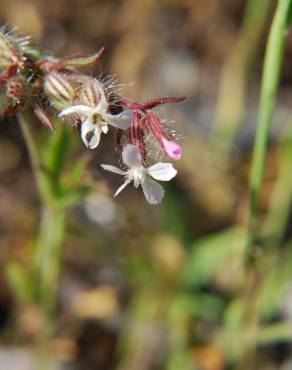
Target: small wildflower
[[47, 84], [141, 175], [147, 122], [94, 114]]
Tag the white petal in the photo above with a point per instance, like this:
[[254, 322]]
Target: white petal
[[122, 120], [113, 169], [90, 134], [153, 191], [122, 187], [131, 156], [94, 141], [79, 109], [162, 171], [104, 128]]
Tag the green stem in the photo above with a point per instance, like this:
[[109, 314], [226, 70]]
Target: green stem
[[48, 258], [270, 82], [276, 221], [32, 152], [49, 241]]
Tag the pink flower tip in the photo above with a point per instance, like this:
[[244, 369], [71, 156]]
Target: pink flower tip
[[172, 148]]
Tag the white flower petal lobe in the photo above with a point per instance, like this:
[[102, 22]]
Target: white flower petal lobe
[[90, 134], [79, 109], [122, 187], [131, 156], [122, 120], [153, 191], [162, 171], [113, 169]]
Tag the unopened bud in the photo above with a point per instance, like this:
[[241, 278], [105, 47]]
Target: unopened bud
[[90, 93], [171, 148], [59, 89]]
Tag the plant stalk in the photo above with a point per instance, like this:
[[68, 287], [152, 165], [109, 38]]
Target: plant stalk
[[48, 250], [270, 81], [48, 258]]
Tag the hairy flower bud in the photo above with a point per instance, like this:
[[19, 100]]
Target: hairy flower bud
[[59, 89], [90, 93], [170, 147], [15, 88], [13, 49]]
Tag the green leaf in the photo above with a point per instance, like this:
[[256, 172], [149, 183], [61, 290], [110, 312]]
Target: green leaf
[[289, 15], [175, 221], [76, 172], [82, 60], [74, 196], [58, 152], [210, 254], [276, 280]]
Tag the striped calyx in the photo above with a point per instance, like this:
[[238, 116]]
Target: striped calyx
[[59, 89]]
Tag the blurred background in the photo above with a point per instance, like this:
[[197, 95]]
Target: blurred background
[[164, 287]]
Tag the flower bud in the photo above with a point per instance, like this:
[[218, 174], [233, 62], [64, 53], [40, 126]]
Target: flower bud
[[171, 148], [12, 49], [59, 89], [91, 92]]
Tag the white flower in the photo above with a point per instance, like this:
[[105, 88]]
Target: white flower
[[141, 175], [95, 119]]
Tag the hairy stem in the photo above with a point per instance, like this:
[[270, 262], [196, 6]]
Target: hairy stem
[[33, 153], [47, 256]]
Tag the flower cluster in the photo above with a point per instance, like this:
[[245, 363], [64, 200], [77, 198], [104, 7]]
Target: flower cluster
[[46, 84]]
